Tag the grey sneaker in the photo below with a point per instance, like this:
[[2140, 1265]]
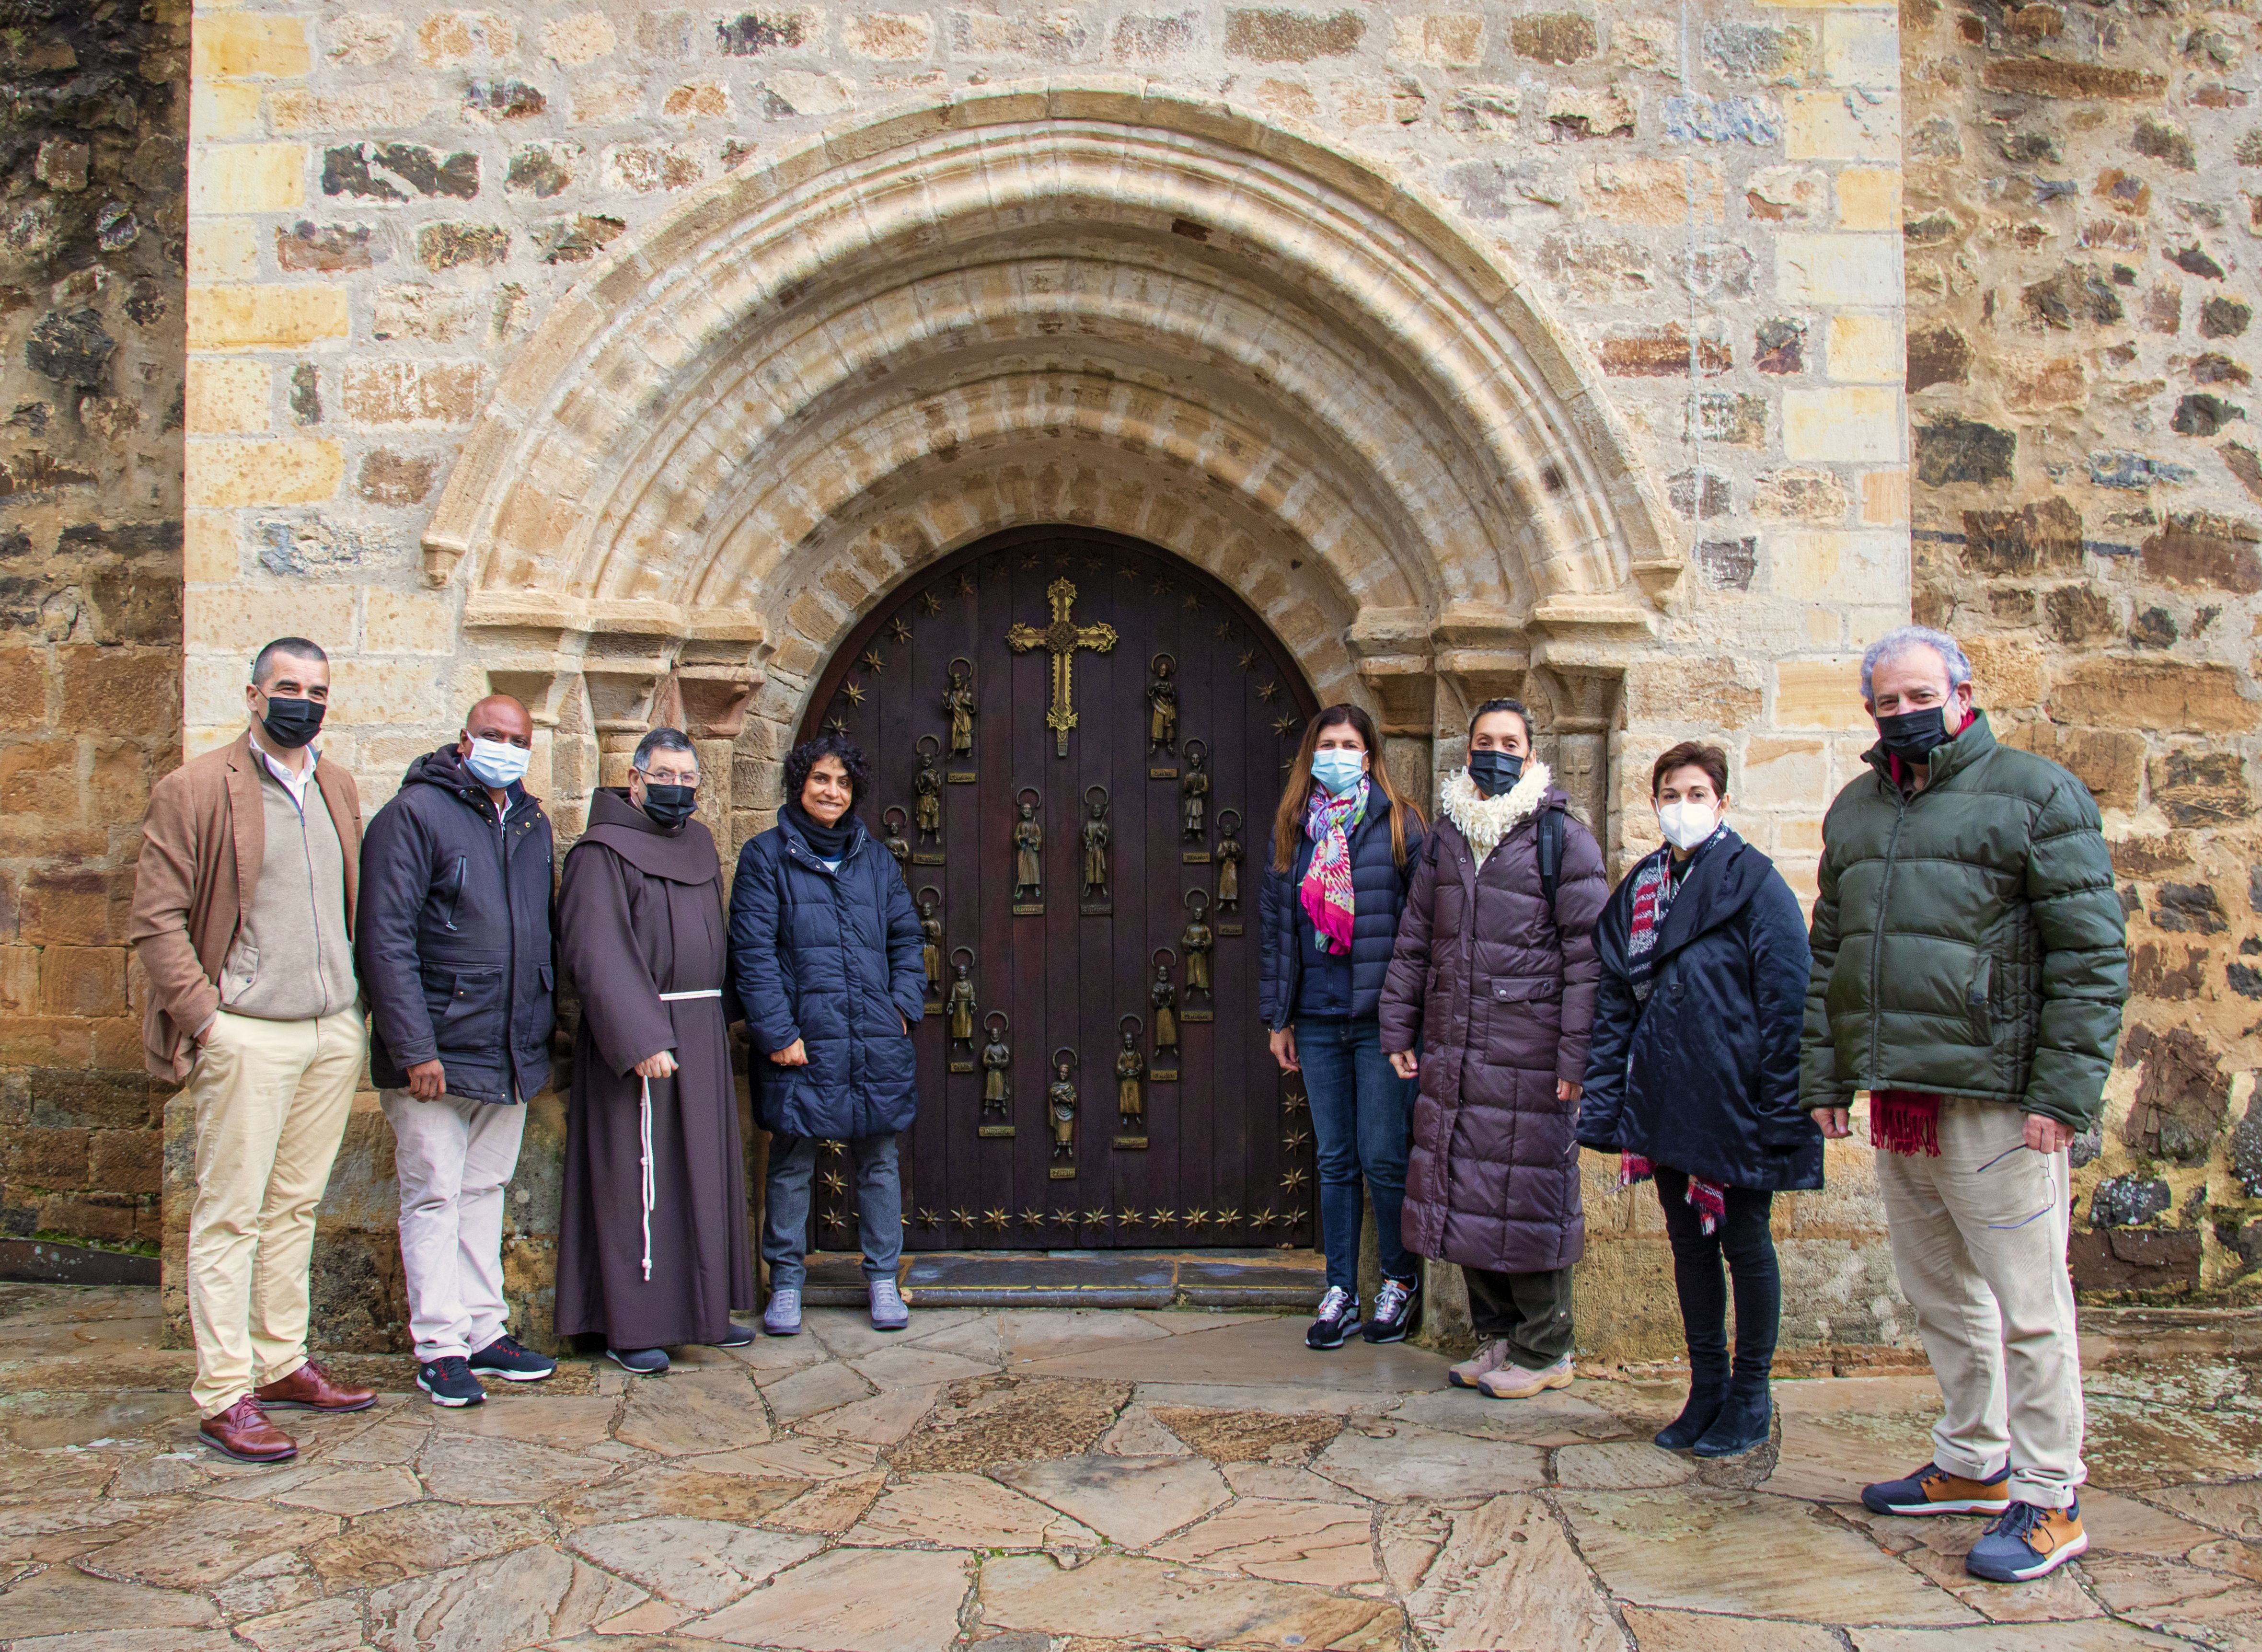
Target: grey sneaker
[[782, 1316], [1490, 1356], [889, 1312]]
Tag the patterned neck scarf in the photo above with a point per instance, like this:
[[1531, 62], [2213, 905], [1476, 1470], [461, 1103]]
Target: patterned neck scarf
[[1326, 891], [1656, 881]]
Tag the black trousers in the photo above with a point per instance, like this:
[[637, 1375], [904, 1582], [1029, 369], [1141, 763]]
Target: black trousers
[[1531, 1310], [1742, 1238]]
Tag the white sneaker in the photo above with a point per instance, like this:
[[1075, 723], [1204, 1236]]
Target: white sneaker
[[782, 1316], [1513, 1381], [889, 1312]]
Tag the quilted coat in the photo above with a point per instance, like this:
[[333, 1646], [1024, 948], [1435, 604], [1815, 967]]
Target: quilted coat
[[1967, 940], [1378, 895], [1498, 994], [1703, 1077], [831, 957]]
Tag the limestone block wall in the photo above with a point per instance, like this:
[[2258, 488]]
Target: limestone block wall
[[92, 229], [2083, 211]]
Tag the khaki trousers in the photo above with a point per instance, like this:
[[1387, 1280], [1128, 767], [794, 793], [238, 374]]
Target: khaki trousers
[[1979, 1238], [272, 1100]]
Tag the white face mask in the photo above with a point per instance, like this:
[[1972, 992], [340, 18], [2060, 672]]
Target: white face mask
[[496, 763], [1686, 825]]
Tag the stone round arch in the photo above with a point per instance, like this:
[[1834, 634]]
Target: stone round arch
[[1093, 304]]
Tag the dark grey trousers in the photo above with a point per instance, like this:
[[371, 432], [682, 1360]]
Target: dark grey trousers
[[786, 1202]]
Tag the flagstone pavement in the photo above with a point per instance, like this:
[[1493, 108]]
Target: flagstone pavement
[[1040, 1481]]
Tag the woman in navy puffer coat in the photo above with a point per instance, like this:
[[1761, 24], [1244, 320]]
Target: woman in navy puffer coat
[[1345, 844], [825, 964]]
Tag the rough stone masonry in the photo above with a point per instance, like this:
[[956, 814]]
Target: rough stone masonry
[[500, 371]]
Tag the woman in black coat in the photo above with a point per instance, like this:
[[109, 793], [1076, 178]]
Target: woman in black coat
[[1345, 844], [825, 958], [1693, 1075]]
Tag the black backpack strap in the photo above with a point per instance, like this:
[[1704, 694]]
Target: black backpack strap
[[1551, 855]]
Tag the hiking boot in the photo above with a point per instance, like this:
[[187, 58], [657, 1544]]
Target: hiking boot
[[449, 1381], [512, 1361], [2027, 1542], [310, 1389], [1743, 1424], [1513, 1381], [889, 1310], [1397, 1311], [1932, 1489], [1489, 1357], [782, 1316], [1707, 1394], [1337, 1321], [243, 1433], [644, 1362]]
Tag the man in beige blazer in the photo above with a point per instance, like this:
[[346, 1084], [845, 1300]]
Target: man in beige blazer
[[243, 905]]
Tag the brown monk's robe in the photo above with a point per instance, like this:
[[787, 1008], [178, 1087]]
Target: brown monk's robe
[[639, 914]]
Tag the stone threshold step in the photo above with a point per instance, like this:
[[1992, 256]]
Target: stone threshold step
[[1083, 1279]]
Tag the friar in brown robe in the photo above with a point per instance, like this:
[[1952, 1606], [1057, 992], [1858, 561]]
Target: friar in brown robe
[[640, 914]]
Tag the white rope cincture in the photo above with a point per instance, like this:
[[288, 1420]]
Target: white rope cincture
[[644, 1135]]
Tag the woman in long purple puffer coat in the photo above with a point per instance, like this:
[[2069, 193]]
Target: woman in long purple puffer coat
[[1490, 999]]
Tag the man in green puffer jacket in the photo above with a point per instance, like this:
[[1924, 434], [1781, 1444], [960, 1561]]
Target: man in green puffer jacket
[[1970, 967]]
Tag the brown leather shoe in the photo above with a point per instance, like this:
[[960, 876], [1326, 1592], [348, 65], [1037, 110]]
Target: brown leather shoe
[[243, 1433], [309, 1389]]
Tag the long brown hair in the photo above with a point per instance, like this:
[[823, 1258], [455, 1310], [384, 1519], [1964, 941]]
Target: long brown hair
[[1296, 796]]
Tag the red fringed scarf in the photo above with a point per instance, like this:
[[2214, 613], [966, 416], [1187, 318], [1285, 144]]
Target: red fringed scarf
[[1904, 1122], [1709, 1198]]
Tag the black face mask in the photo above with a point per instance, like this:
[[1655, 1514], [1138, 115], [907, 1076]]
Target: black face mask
[[1494, 772], [669, 806], [291, 724], [1911, 736]]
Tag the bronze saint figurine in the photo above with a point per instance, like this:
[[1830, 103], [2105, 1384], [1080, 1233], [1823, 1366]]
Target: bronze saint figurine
[[1195, 788], [1096, 834], [931, 941], [1165, 997], [1061, 1094], [1196, 942], [958, 704], [960, 1001], [1229, 852], [1028, 855], [1130, 1068], [1162, 705], [997, 1064], [926, 789], [892, 821]]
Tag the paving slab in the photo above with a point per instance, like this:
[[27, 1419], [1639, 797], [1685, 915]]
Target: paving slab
[[496, 1606], [1329, 1544], [791, 1455], [689, 1412], [1393, 1462], [397, 1543], [832, 1507], [564, 1421], [870, 1599], [320, 1626], [1556, 1418], [702, 1565], [1120, 1597], [1704, 1550], [476, 1469], [678, 1489], [963, 1510], [2099, 1634], [2234, 1509], [1661, 1631], [1131, 1501], [812, 1389], [1506, 1574], [879, 1421], [1620, 1464], [1002, 1418], [207, 1543], [2213, 1607], [1258, 1352], [57, 1599]]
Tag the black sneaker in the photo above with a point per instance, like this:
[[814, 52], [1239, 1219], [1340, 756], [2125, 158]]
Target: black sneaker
[[449, 1382], [1397, 1311], [645, 1362], [512, 1361], [739, 1336], [1338, 1320]]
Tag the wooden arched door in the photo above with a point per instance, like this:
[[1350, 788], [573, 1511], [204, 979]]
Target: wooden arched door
[[1029, 669]]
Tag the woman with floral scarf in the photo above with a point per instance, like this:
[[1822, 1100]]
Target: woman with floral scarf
[[1345, 844]]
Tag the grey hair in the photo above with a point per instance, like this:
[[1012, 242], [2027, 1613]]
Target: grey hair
[[661, 739], [1901, 640]]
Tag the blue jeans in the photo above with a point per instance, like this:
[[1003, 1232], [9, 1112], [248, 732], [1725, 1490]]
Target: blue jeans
[[786, 1202], [1361, 1113]]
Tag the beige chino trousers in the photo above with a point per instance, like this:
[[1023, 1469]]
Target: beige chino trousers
[[272, 1100], [1979, 1238]]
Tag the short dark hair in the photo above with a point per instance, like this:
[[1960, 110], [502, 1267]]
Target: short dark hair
[[1692, 754], [297, 647], [661, 739], [803, 758], [1503, 703]]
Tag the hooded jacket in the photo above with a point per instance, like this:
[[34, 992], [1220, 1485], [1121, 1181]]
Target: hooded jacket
[[1703, 1077], [1967, 939], [830, 957], [1378, 885], [1498, 993], [452, 934]]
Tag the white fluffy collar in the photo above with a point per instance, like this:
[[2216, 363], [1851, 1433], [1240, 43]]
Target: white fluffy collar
[[1484, 821]]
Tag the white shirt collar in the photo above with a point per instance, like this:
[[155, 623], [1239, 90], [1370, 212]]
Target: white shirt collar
[[294, 780]]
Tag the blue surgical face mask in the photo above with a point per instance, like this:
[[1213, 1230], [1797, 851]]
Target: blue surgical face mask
[[1337, 769], [496, 763]]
